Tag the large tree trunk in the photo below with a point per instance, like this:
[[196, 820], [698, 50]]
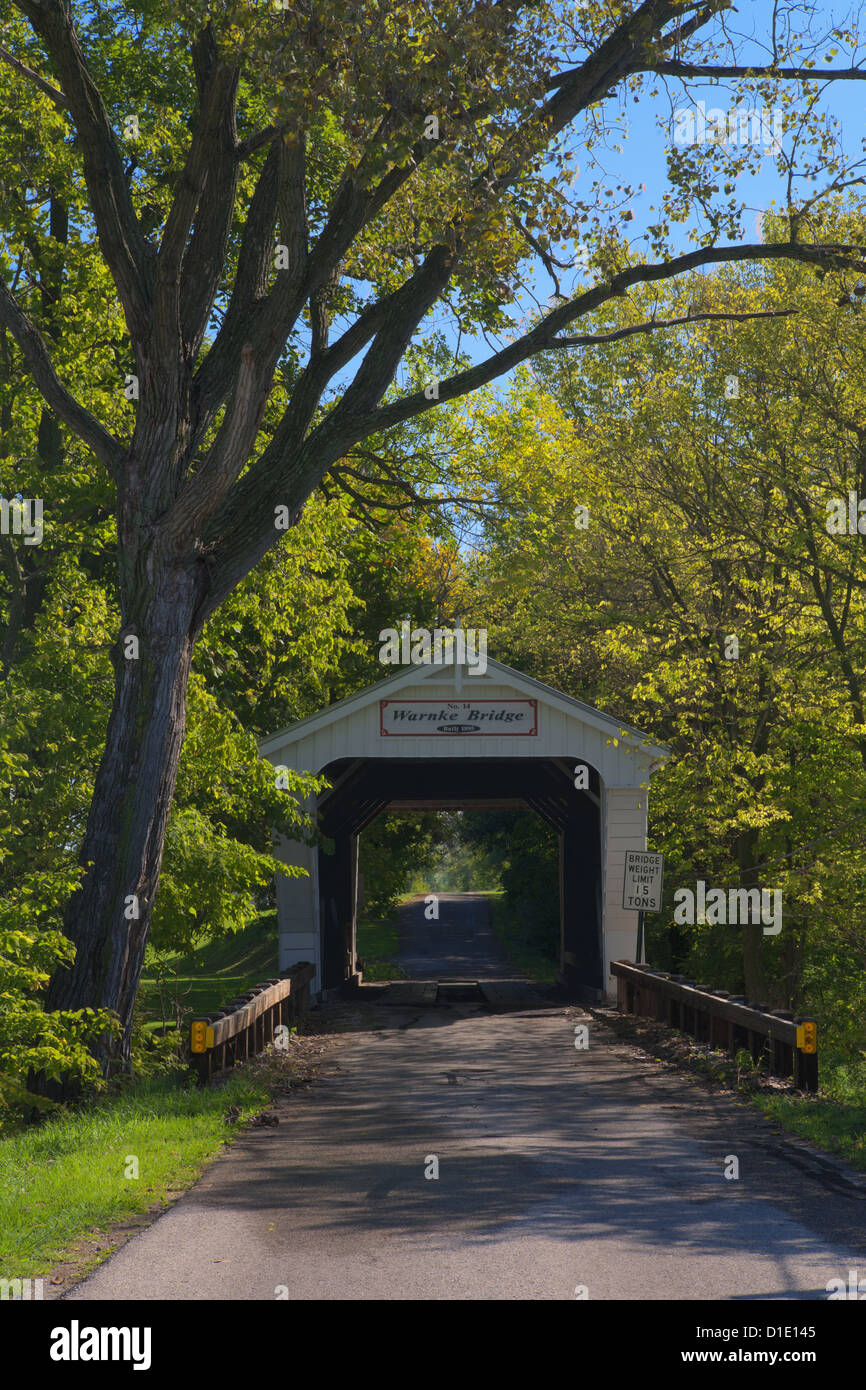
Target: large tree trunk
[[754, 978], [109, 917]]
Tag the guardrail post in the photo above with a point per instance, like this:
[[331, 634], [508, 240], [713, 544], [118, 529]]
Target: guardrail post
[[806, 1055], [781, 1058]]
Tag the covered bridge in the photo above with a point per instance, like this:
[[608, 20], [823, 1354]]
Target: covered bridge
[[440, 737]]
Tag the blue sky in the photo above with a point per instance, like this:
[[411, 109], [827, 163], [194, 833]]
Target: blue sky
[[642, 159]]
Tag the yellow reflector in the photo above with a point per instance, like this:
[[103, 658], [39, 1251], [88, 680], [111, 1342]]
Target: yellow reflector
[[201, 1037], [807, 1037]]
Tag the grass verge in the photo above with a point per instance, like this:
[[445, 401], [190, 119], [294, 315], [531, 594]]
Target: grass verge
[[523, 939], [834, 1126], [66, 1179], [378, 943]]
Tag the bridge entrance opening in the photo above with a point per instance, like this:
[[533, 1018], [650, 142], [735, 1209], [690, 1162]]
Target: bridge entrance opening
[[363, 789], [457, 895]]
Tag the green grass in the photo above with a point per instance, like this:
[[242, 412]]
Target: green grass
[[828, 1124], [833, 1120], [213, 974], [63, 1178], [514, 931], [377, 943]]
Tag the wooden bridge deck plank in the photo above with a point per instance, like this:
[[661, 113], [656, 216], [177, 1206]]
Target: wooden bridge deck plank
[[412, 992]]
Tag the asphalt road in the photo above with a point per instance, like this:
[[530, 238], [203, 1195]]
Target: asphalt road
[[459, 945], [558, 1170]]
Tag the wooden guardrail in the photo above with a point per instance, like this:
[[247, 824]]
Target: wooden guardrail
[[245, 1025], [788, 1046]]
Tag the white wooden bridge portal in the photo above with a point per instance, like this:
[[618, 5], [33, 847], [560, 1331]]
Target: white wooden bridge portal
[[442, 737]]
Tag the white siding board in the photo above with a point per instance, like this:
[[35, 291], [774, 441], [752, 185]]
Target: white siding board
[[625, 819]]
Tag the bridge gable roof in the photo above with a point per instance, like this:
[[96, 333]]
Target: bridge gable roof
[[442, 682]]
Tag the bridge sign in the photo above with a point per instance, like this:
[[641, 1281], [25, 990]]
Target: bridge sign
[[484, 718], [642, 886]]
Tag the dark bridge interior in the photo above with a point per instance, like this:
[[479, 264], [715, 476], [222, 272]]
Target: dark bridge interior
[[364, 787]]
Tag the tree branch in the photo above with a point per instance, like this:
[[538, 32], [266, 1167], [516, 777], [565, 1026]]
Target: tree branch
[[231, 449], [185, 299], [675, 69], [293, 465], [45, 88], [406, 308], [127, 254], [620, 55], [307, 275], [106, 448], [648, 327], [355, 204], [254, 316], [260, 139], [541, 337]]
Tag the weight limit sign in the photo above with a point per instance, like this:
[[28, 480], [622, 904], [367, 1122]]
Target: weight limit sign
[[642, 886], [642, 889]]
